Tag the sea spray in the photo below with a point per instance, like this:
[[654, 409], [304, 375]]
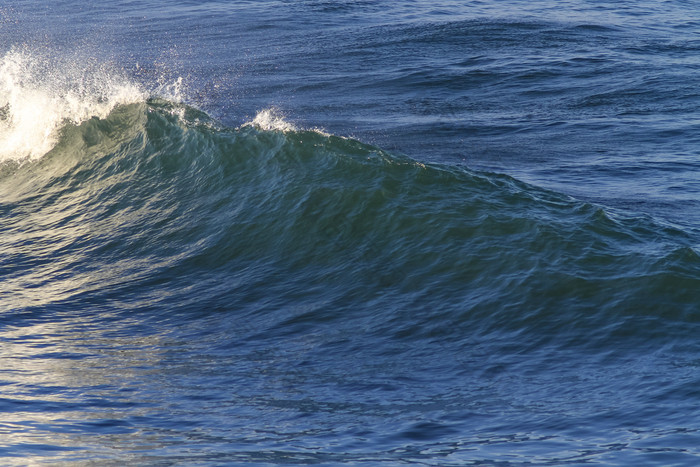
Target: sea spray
[[271, 120], [40, 94]]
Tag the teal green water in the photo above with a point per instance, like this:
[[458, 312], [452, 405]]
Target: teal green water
[[147, 180]]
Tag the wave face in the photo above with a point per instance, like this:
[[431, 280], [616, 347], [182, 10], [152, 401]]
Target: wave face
[[317, 276], [157, 189]]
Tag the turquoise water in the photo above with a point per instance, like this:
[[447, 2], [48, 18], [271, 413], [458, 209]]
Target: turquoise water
[[349, 233]]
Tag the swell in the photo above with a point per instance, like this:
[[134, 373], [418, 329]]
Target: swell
[[155, 207]]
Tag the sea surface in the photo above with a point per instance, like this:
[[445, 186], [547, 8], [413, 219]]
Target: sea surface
[[363, 232]]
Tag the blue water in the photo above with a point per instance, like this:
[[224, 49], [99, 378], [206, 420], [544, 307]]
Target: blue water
[[349, 232]]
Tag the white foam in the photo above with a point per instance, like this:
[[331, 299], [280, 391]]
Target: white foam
[[271, 120], [39, 95]]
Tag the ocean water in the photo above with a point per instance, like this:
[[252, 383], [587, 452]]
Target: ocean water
[[350, 232]]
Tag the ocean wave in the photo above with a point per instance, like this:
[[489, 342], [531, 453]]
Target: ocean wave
[[158, 194]]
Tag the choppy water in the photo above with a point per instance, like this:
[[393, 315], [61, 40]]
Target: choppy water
[[351, 232]]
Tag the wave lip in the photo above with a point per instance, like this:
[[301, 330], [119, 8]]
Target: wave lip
[[39, 95]]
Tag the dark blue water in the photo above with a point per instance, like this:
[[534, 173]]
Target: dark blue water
[[349, 232]]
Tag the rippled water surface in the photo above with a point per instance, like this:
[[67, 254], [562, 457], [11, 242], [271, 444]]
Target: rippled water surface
[[349, 232]]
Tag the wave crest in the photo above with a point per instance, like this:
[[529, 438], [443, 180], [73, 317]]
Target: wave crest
[[39, 95], [271, 120]]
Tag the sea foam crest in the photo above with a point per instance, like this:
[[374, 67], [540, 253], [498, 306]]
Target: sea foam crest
[[39, 95], [271, 120]]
